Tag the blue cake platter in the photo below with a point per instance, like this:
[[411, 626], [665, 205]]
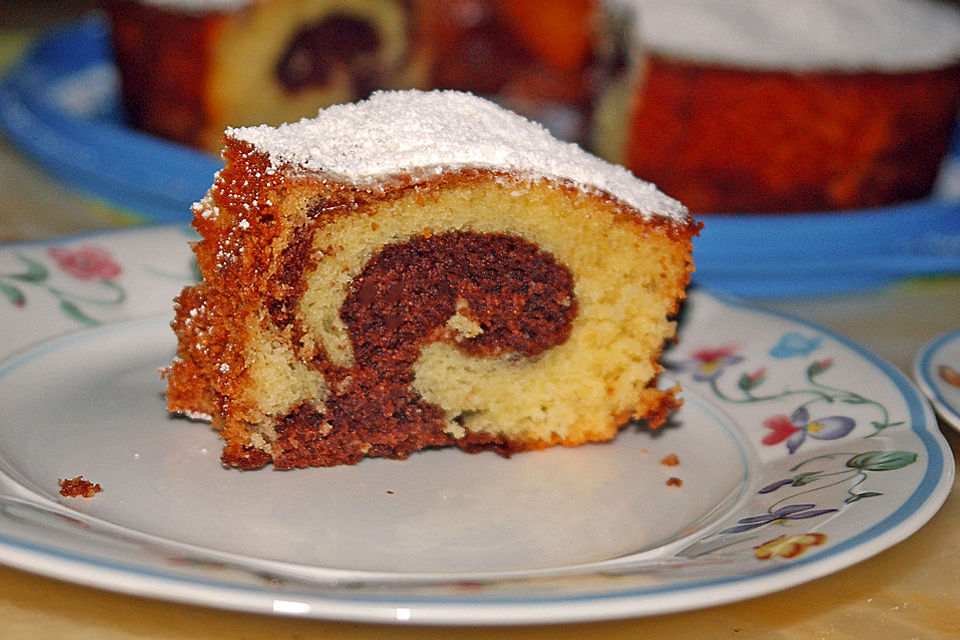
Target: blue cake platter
[[60, 104]]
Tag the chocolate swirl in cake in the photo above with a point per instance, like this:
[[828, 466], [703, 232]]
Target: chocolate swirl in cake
[[518, 297], [336, 40], [488, 294]]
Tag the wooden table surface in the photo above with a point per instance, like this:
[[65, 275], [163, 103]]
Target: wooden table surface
[[911, 590]]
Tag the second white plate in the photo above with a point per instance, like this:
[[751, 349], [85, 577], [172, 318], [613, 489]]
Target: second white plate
[[937, 370]]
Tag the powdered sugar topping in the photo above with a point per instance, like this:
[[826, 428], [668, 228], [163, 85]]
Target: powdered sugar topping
[[398, 132], [801, 34]]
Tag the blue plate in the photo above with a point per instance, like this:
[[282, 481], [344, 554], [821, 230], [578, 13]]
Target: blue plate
[[760, 255], [61, 105]]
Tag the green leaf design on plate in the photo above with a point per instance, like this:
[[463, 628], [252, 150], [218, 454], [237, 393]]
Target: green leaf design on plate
[[854, 497], [805, 478], [882, 460], [74, 312], [35, 272], [13, 294]]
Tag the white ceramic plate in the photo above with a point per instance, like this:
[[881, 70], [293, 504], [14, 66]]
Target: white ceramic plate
[[798, 454], [937, 370]]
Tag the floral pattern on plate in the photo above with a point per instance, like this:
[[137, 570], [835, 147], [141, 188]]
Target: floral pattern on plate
[[89, 280], [804, 408], [85, 263]]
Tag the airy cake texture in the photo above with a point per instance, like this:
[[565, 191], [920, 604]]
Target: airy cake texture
[[424, 269]]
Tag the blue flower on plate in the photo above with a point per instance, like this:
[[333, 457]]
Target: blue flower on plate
[[795, 344]]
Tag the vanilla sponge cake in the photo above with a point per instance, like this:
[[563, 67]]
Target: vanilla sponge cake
[[424, 269]]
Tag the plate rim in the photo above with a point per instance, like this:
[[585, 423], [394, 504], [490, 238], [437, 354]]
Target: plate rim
[[947, 411]]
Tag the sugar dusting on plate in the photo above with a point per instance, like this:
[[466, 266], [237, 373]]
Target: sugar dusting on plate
[[395, 132]]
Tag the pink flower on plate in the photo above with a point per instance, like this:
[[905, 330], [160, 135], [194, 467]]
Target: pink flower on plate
[[709, 363], [86, 263], [797, 427]]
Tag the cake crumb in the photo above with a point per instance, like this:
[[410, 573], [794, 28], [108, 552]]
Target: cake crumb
[[674, 481], [78, 488], [670, 460]]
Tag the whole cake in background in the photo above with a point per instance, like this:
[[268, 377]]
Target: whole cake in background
[[424, 269], [765, 106], [190, 68]]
